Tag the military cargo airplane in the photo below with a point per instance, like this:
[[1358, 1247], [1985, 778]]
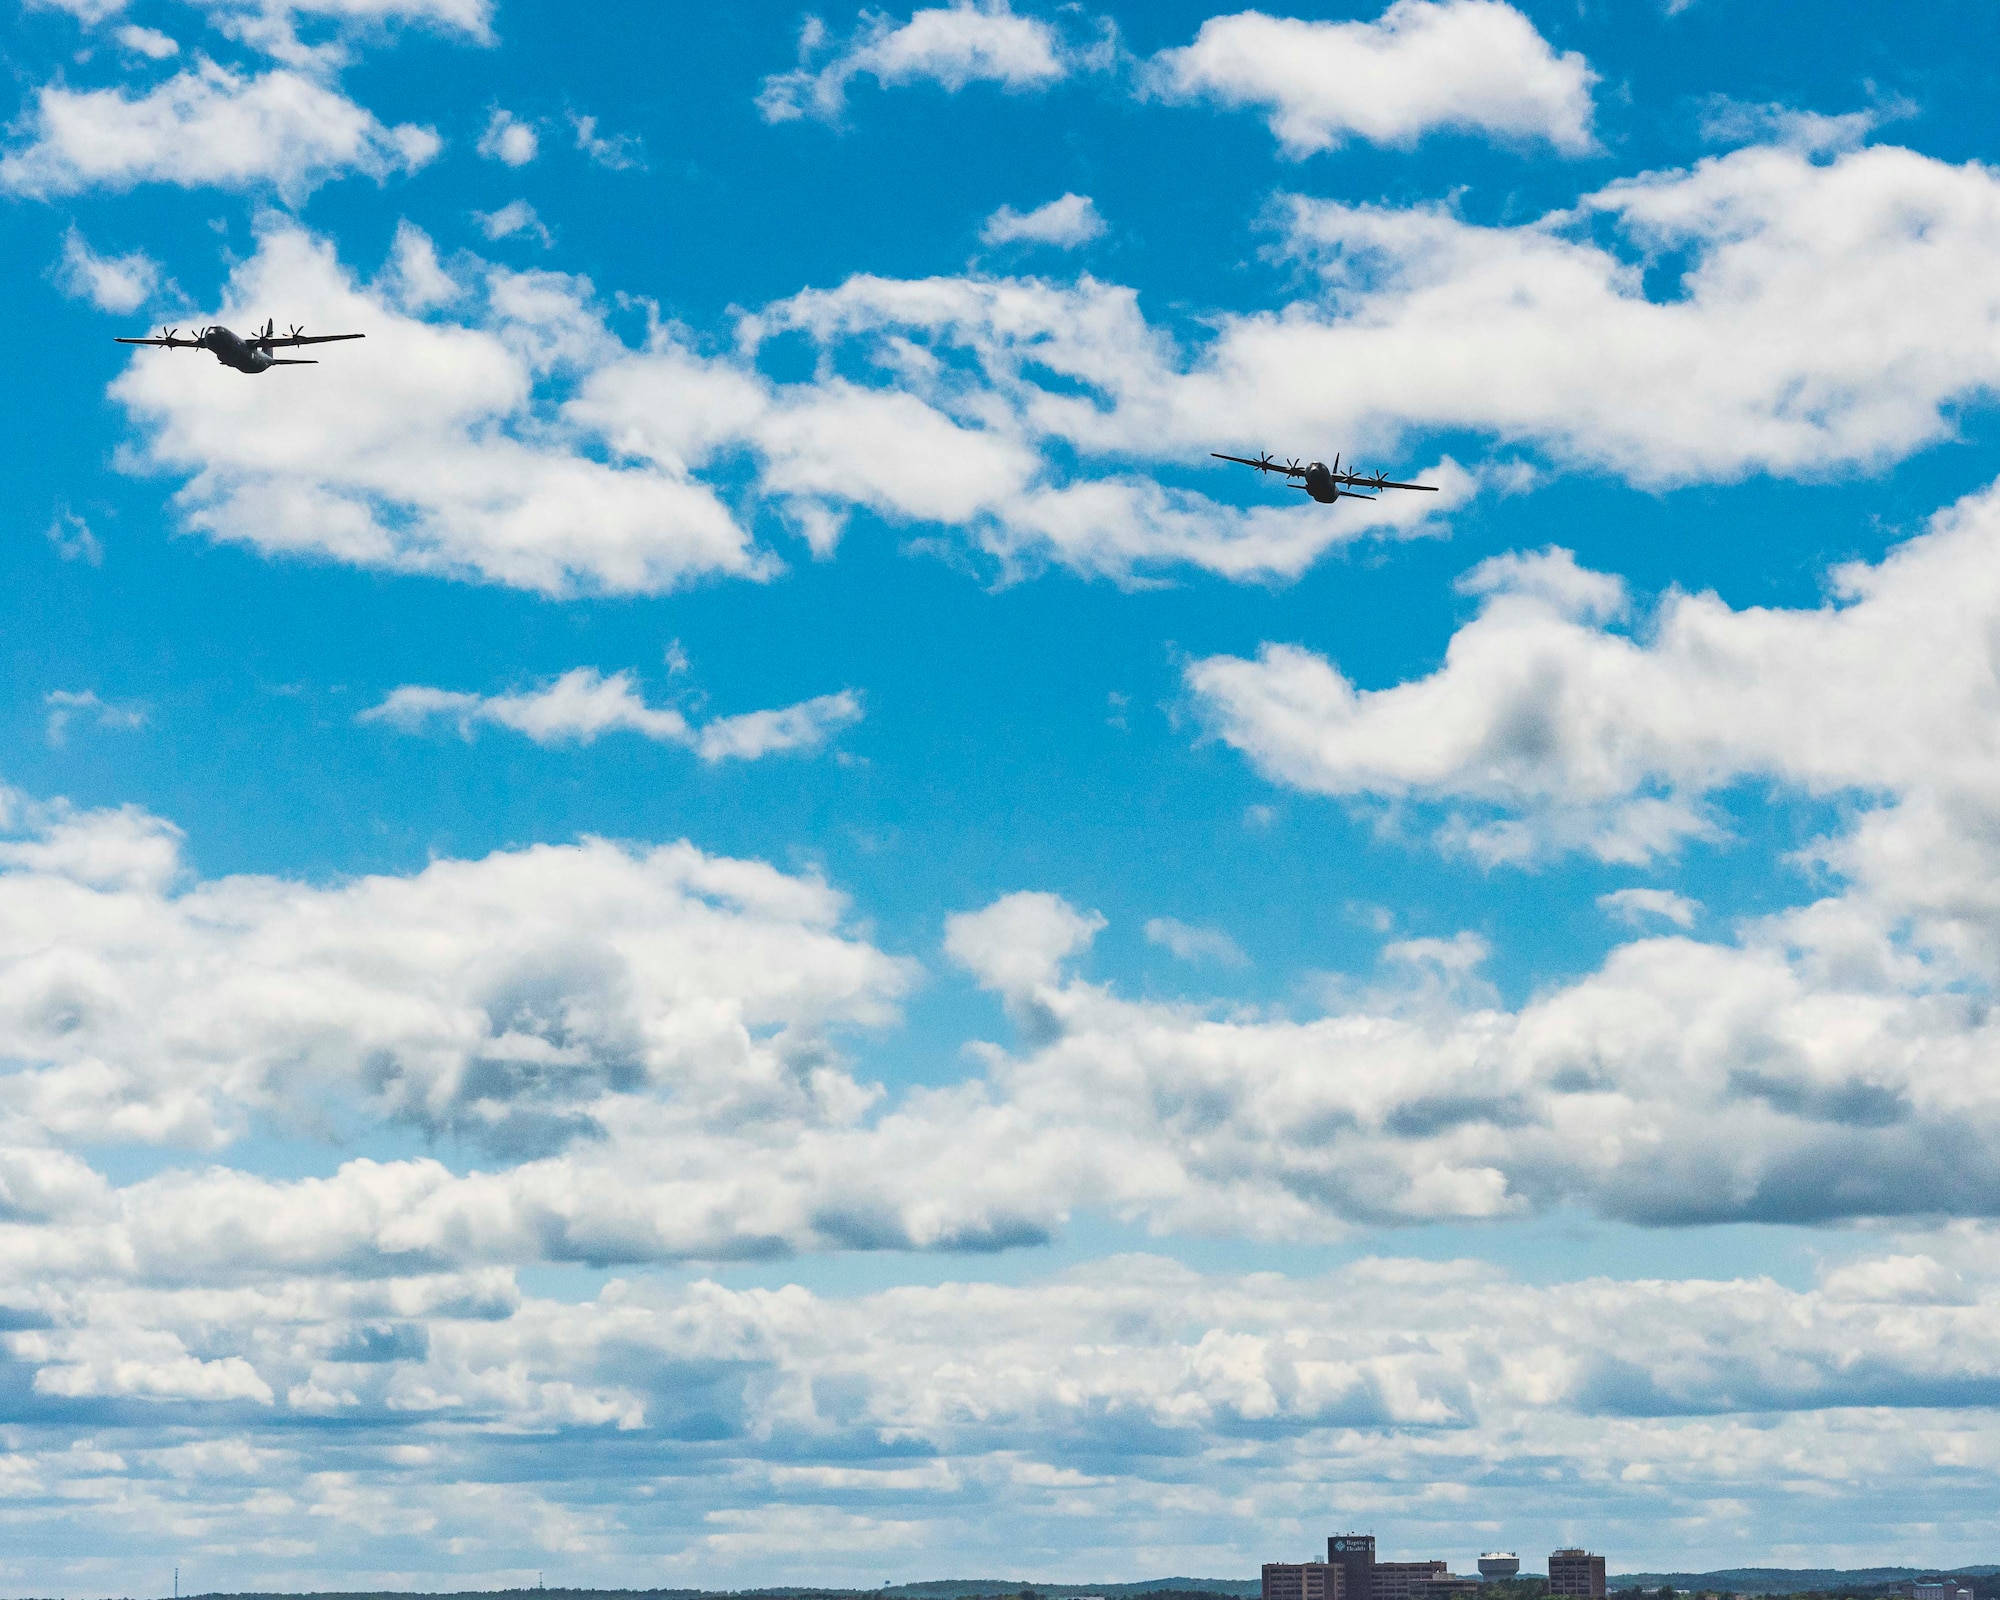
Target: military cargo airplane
[[245, 355], [1325, 484]]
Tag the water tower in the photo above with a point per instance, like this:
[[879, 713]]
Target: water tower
[[1499, 1564]]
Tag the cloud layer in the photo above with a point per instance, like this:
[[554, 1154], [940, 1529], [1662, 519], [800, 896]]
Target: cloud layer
[[583, 703], [968, 41], [1473, 66], [207, 127]]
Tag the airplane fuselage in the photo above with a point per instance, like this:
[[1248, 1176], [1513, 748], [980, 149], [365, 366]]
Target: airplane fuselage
[[232, 351], [1320, 485]]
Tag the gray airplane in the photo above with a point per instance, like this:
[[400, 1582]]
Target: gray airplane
[[245, 355], [1325, 484]]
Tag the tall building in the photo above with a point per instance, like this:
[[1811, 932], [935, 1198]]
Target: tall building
[[1362, 1577], [1354, 1554], [1576, 1575], [1304, 1580]]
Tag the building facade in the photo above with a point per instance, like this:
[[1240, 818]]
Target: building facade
[[1302, 1580], [1576, 1575], [1354, 1554], [1406, 1580]]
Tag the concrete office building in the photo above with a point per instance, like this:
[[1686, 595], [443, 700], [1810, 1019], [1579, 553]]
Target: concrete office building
[[1576, 1575], [1365, 1578], [1302, 1580]]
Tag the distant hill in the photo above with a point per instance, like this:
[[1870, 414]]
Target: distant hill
[[1738, 1580], [955, 1588], [934, 1589], [1788, 1580]]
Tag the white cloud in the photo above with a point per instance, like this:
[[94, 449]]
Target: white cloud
[[1634, 906], [969, 41], [532, 446], [575, 1011], [148, 42], [426, 447], [1790, 344], [1189, 943], [621, 153], [272, 21], [68, 705], [519, 1001], [1569, 734], [1021, 940], [510, 140], [528, 445], [583, 703], [1476, 66], [111, 283], [1759, 359], [517, 216], [810, 1436], [750, 735], [207, 126], [72, 538], [1064, 223], [88, 12]]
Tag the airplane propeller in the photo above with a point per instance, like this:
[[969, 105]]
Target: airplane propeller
[[296, 331]]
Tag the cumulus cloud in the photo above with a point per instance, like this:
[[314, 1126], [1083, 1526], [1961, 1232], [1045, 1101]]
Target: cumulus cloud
[[969, 41], [1753, 361], [207, 126], [532, 446], [111, 283], [526, 444], [1474, 66], [573, 1011], [513, 999], [274, 27], [148, 42], [1634, 906], [808, 1433], [426, 448], [470, 17], [516, 217], [1756, 355], [1020, 941], [508, 139], [1065, 223], [1570, 733], [583, 703]]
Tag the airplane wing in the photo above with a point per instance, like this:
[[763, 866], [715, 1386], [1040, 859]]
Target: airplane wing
[[164, 342], [287, 341], [1266, 465], [1383, 483]]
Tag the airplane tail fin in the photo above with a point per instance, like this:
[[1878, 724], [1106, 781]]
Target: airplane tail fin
[[280, 361]]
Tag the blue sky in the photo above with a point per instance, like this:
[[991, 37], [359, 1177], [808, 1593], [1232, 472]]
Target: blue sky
[[716, 914]]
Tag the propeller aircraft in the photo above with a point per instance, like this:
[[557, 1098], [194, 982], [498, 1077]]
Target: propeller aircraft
[[245, 355], [1325, 484]]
